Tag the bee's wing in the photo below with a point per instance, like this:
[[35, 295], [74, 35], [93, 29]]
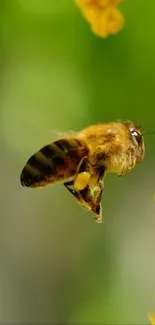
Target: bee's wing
[[61, 134], [55, 162]]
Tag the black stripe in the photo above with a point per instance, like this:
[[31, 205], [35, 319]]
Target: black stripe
[[69, 148], [39, 165], [50, 151], [25, 177], [47, 151], [68, 144], [59, 144], [64, 145], [28, 179]]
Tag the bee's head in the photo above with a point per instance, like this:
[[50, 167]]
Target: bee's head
[[137, 139]]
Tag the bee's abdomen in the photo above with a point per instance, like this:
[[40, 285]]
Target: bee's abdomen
[[55, 162]]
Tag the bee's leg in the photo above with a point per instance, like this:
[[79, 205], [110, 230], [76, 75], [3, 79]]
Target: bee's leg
[[75, 193], [98, 207], [98, 190], [83, 165], [91, 196], [82, 176], [98, 213]]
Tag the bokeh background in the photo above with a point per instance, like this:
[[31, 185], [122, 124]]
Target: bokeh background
[[56, 264]]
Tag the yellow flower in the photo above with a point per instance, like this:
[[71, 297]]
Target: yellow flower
[[152, 319], [103, 16]]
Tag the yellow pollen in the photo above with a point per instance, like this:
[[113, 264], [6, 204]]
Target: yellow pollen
[[82, 180]]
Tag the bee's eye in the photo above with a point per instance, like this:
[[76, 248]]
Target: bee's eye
[[137, 136]]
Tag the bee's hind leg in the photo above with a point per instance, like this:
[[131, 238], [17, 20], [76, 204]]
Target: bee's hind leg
[[97, 210], [82, 176], [74, 192], [90, 197]]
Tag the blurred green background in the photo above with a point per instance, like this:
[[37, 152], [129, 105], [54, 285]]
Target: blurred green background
[[56, 264]]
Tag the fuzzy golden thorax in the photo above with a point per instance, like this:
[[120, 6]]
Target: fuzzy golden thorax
[[118, 146]]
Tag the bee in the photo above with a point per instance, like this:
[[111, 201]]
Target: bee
[[82, 161]]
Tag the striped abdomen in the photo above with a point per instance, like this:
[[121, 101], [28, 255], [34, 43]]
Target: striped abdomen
[[55, 162]]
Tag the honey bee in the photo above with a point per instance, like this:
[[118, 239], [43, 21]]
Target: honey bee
[[81, 161]]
